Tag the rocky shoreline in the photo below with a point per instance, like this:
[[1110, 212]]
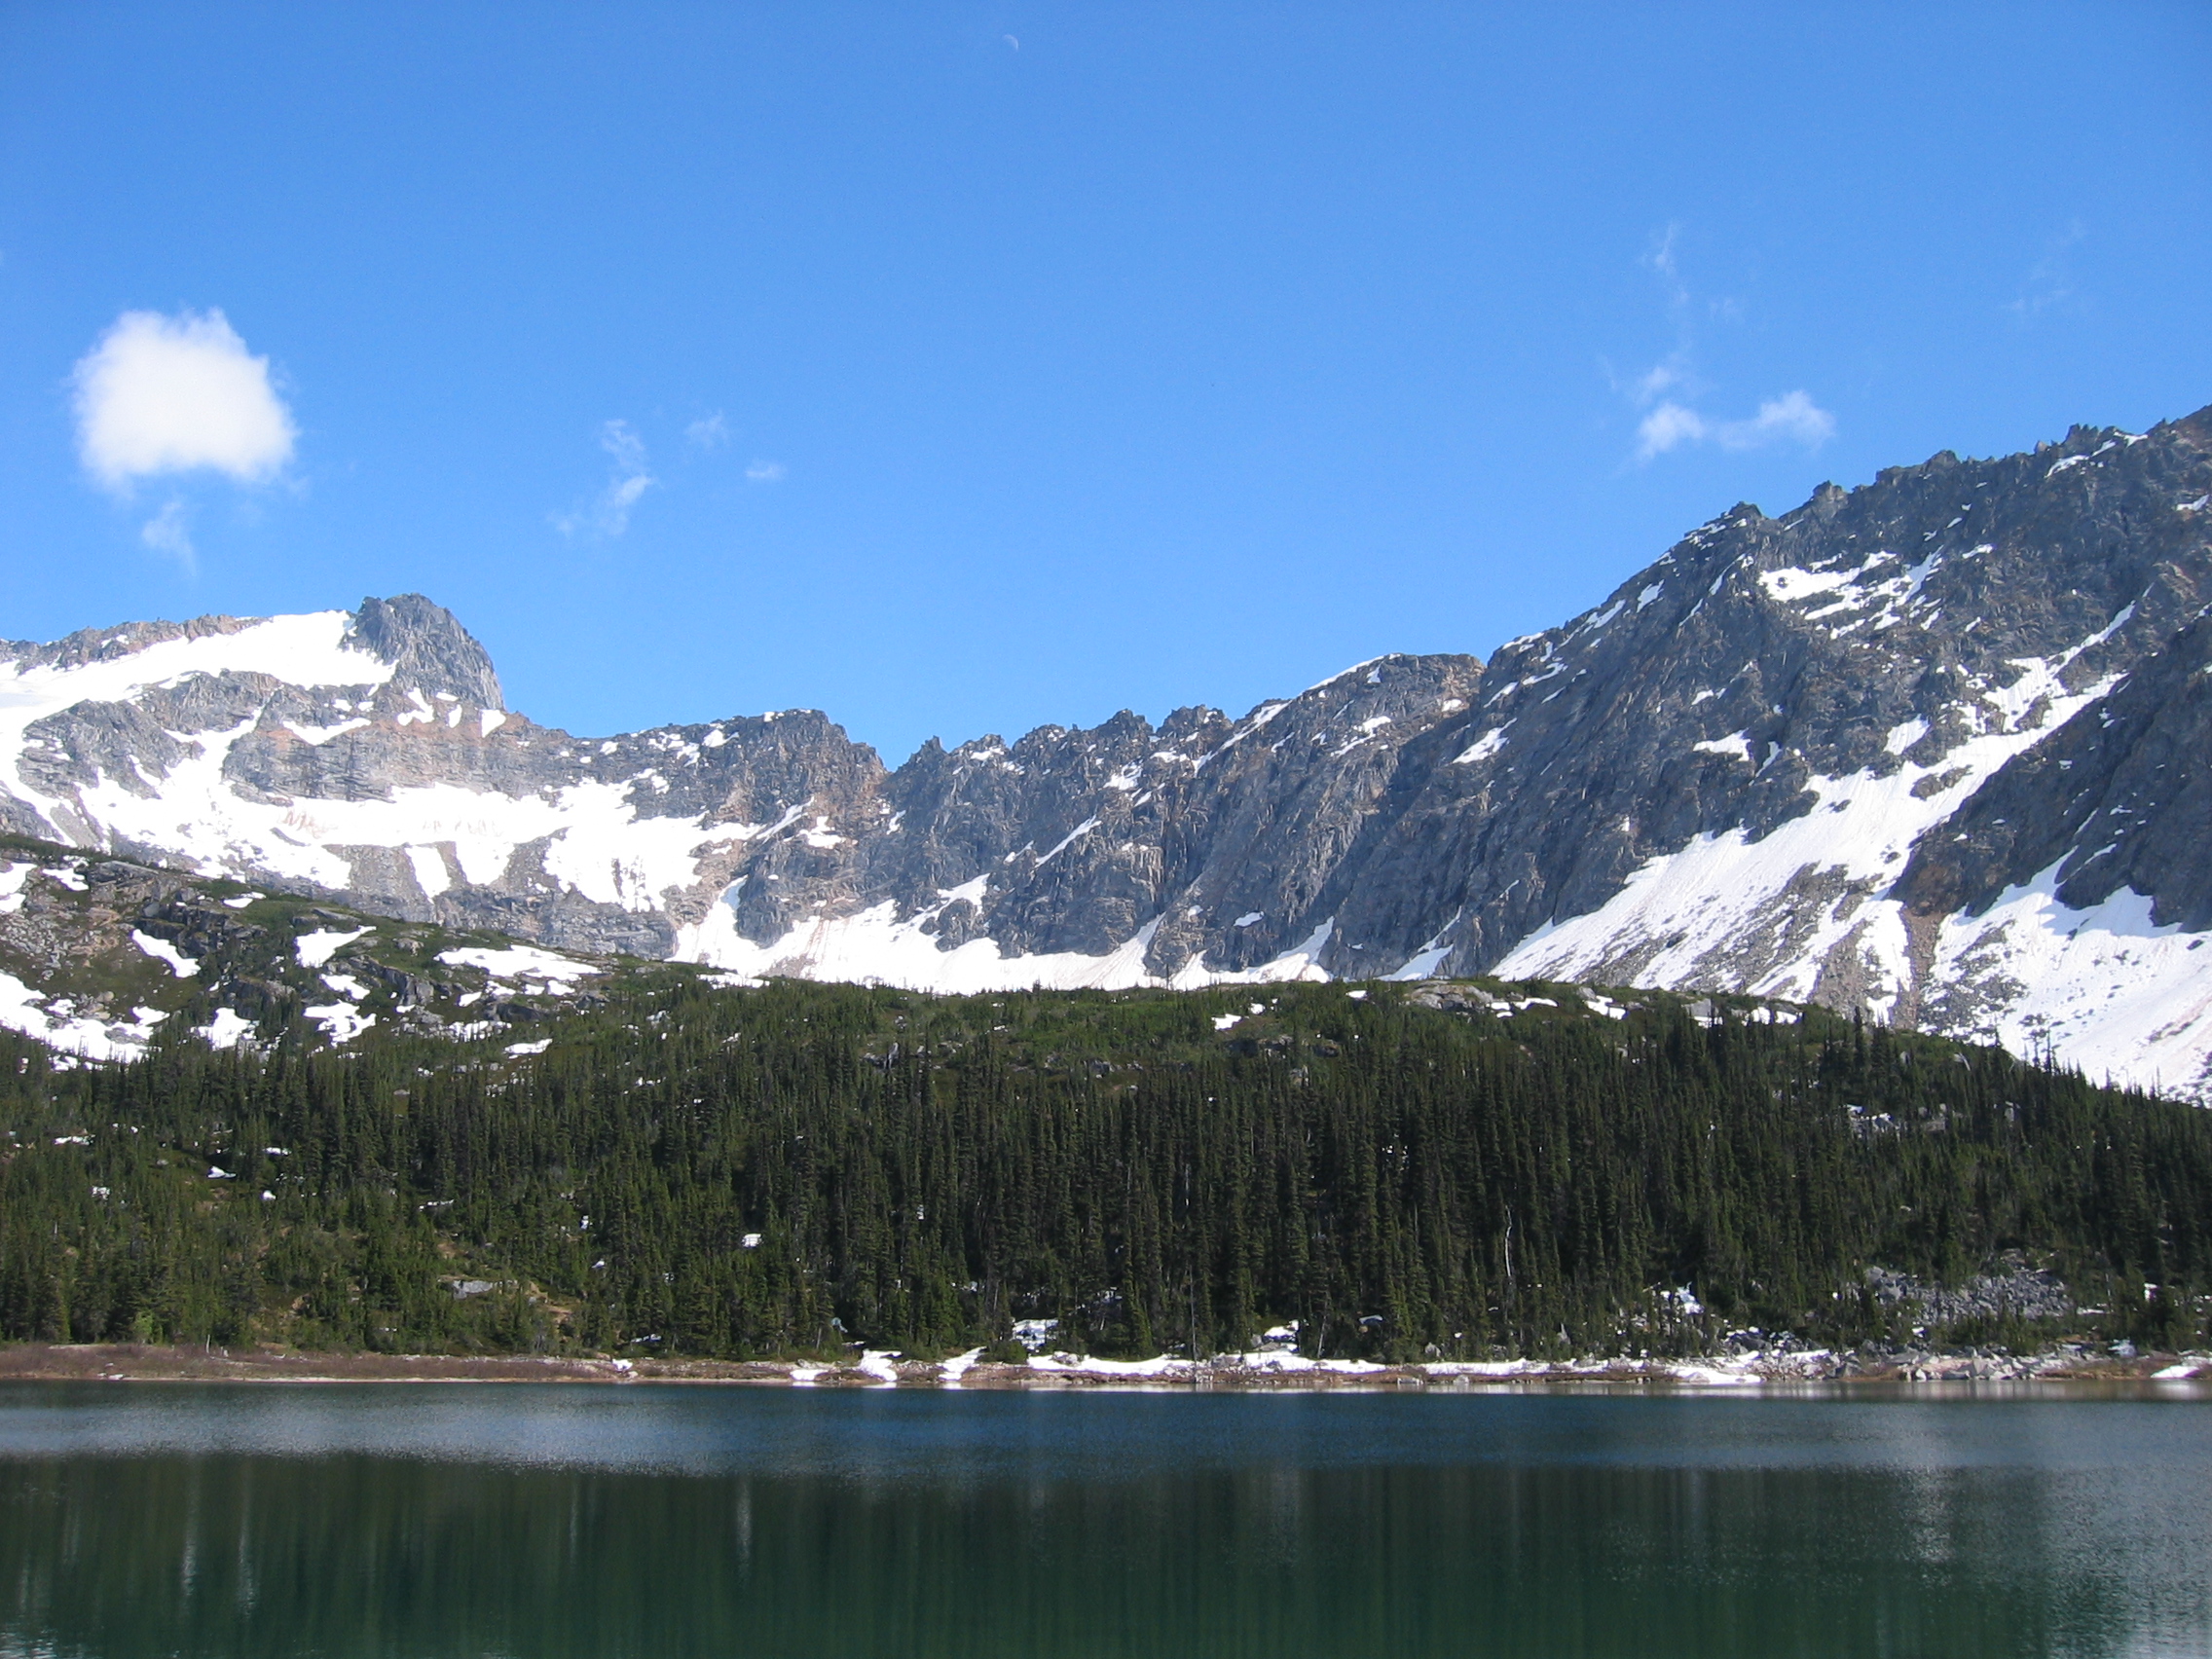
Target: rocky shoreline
[[1268, 1371]]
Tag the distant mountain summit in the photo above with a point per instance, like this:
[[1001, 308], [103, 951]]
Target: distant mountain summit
[[1933, 748]]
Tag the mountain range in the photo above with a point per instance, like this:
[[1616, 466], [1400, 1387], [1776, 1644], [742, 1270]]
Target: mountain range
[[1930, 749]]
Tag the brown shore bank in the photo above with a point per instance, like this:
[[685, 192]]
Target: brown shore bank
[[119, 1362]]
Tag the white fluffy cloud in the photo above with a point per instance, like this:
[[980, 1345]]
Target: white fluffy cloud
[[1792, 417], [177, 394]]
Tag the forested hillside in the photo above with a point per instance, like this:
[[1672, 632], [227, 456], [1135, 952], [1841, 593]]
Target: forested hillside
[[688, 1168]]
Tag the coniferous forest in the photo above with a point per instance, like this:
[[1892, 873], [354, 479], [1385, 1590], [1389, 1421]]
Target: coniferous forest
[[794, 1169]]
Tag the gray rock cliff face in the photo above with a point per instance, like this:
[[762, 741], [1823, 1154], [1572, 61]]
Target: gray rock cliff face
[[428, 648], [1903, 748], [1864, 632]]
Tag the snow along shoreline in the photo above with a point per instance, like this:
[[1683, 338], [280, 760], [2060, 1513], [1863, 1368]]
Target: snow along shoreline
[[1261, 1371]]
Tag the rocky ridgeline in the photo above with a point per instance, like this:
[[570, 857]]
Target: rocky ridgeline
[[1929, 748]]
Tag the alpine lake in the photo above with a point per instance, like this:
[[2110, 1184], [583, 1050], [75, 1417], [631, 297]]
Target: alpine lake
[[523, 1520]]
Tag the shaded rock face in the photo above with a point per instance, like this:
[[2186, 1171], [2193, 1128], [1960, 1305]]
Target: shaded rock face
[[2119, 797], [1926, 748], [1236, 836]]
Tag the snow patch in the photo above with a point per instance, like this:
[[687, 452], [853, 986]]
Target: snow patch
[[320, 735], [2106, 988], [1791, 586], [317, 948], [1068, 840], [226, 1030], [523, 961], [59, 1024], [340, 1022], [873, 946], [1429, 957], [161, 950], [1484, 746], [430, 873], [11, 879]]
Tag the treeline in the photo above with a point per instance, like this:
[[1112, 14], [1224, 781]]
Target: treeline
[[789, 1170]]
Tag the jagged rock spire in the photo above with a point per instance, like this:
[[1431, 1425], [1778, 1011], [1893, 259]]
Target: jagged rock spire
[[427, 648]]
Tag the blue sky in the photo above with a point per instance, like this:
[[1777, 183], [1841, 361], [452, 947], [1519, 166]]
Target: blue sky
[[965, 368]]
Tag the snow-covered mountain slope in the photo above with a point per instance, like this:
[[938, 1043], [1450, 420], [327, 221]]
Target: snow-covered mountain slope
[[1929, 748]]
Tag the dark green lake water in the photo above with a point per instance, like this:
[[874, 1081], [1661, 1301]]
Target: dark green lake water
[[171, 1518]]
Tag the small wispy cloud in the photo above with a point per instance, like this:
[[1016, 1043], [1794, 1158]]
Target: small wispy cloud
[[1792, 418], [765, 471], [1666, 428], [609, 512], [160, 394], [1664, 391], [1660, 257], [1658, 380], [709, 432], [169, 532], [2049, 283]]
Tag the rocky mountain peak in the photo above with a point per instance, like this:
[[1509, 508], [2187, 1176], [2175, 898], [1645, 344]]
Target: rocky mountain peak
[[427, 648]]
